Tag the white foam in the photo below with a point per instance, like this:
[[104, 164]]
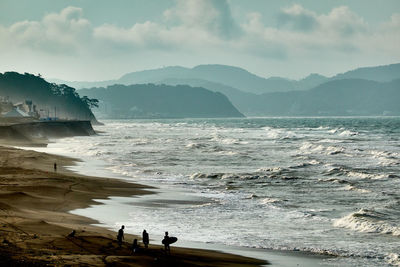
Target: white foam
[[393, 259], [366, 175], [353, 188], [365, 221], [348, 133], [269, 200], [309, 148]]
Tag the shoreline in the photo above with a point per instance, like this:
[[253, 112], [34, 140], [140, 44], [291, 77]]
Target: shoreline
[[274, 257], [35, 205]]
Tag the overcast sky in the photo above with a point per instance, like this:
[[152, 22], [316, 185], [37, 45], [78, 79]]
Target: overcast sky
[[100, 40]]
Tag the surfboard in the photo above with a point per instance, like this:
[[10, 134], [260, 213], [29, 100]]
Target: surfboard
[[171, 240]]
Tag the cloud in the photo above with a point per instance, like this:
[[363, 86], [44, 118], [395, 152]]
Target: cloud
[[212, 16], [302, 32], [203, 31], [297, 18], [57, 32], [342, 21]]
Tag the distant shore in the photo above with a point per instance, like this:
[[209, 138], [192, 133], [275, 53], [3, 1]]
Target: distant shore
[[35, 223]]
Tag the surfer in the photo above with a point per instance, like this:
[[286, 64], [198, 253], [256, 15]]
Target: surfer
[[145, 237], [165, 241], [120, 235], [168, 240]]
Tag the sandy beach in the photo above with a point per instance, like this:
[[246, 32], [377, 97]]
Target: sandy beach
[[35, 223]]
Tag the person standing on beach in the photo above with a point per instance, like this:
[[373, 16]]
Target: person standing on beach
[[145, 237], [120, 235], [135, 246], [55, 166], [165, 241]]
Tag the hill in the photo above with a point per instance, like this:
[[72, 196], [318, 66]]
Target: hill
[[384, 73], [56, 100], [349, 97], [161, 101], [230, 76]]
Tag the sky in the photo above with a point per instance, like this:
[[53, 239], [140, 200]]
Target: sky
[[92, 40]]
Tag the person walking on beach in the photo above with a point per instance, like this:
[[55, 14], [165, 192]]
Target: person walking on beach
[[145, 237], [120, 235], [165, 241], [55, 166]]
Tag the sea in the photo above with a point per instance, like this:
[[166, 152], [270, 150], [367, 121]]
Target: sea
[[323, 185]]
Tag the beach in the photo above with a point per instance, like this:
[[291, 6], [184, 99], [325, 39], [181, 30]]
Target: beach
[[35, 223], [289, 192]]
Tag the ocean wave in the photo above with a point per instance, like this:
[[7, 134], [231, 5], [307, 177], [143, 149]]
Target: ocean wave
[[357, 174], [223, 176], [367, 221], [243, 176], [305, 164], [364, 175], [309, 148], [335, 180], [393, 259], [348, 133], [353, 188], [273, 169], [228, 153], [195, 145], [226, 140], [280, 134], [343, 132], [269, 200], [386, 158]]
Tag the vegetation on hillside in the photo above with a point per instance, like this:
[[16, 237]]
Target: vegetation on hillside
[[54, 100]]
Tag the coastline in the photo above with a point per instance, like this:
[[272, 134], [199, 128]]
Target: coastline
[[35, 221], [108, 206]]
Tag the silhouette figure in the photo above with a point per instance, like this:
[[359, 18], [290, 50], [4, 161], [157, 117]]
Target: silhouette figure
[[165, 241], [135, 246], [120, 235], [145, 237], [55, 166], [72, 234]]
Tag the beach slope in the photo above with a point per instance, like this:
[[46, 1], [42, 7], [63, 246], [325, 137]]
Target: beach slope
[[35, 223]]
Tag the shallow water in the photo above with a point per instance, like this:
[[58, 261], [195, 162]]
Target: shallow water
[[326, 185]]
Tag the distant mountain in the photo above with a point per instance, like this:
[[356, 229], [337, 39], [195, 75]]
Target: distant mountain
[[348, 97], [385, 73], [55, 99], [247, 91], [242, 79], [227, 75], [161, 101], [241, 100]]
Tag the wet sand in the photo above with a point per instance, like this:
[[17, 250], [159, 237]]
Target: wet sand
[[35, 223]]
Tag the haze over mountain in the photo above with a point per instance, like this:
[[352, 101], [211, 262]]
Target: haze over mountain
[[228, 75], [161, 101], [347, 97], [385, 73], [252, 104], [242, 79]]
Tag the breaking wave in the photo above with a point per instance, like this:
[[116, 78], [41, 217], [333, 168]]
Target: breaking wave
[[367, 221]]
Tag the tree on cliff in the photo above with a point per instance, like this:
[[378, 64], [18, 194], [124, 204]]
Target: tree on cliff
[[54, 99]]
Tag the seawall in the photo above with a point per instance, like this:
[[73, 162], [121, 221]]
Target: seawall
[[32, 132]]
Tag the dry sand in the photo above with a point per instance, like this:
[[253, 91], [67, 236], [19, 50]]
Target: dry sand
[[35, 223]]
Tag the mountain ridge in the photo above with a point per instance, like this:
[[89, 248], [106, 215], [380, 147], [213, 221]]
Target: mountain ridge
[[240, 78]]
